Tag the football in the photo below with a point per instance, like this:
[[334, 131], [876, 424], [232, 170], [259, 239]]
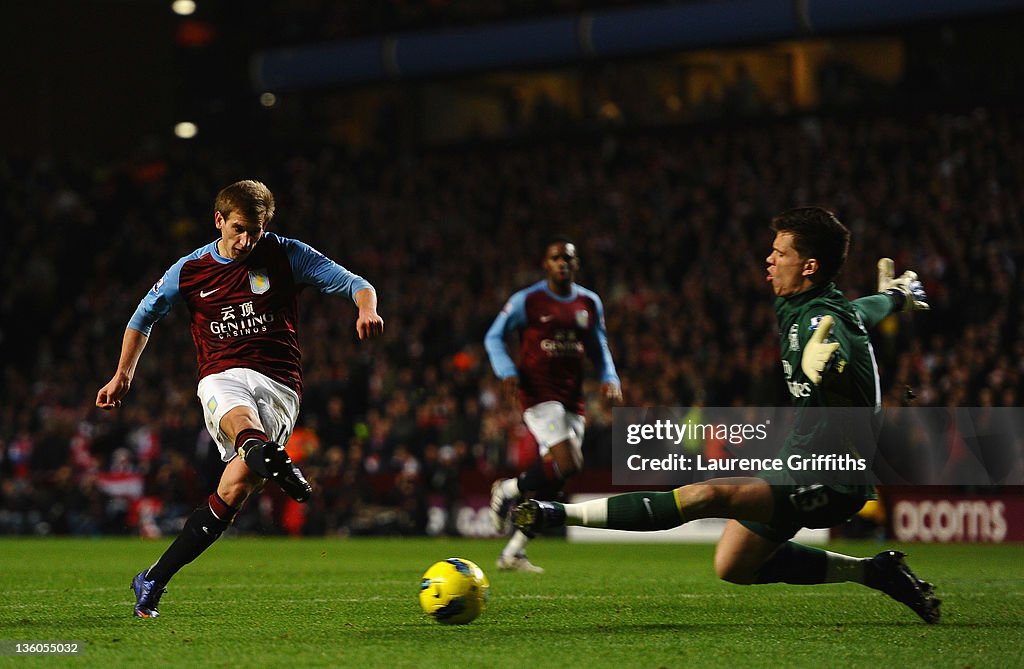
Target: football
[[454, 591]]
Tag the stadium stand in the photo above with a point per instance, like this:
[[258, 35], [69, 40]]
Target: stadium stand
[[673, 223]]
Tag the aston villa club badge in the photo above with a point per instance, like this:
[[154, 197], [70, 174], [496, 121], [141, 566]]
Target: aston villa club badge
[[259, 281]]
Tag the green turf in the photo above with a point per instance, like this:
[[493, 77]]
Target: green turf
[[353, 603]]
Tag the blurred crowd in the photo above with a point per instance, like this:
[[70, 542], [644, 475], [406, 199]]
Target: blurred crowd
[[672, 226]]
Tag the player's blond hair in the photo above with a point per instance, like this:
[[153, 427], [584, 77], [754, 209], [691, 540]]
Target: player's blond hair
[[251, 199]]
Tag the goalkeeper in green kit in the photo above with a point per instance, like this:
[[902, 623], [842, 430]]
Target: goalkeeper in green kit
[[828, 364]]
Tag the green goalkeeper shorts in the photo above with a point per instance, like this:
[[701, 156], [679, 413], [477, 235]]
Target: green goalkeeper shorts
[[797, 506]]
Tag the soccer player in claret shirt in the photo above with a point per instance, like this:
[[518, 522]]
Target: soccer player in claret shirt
[[241, 293], [559, 323], [828, 362]]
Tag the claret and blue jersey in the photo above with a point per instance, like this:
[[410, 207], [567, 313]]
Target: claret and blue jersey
[[556, 333], [244, 313]]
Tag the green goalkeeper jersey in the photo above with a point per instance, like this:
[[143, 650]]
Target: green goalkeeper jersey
[[841, 416]]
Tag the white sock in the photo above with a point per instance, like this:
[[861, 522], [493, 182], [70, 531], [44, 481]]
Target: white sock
[[593, 513], [515, 545], [510, 487], [844, 568]]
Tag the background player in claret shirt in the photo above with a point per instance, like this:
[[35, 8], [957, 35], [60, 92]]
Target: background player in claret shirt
[[559, 323], [241, 293], [828, 362]]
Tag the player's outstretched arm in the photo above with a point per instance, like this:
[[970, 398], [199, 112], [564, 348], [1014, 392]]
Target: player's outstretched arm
[[369, 324], [903, 293], [110, 395], [510, 389], [906, 290], [612, 392]]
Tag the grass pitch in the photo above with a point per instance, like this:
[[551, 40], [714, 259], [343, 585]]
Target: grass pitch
[[353, 603]]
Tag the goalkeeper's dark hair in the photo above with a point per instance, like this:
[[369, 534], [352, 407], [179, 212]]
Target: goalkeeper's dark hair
[[818, 234], [252, 199]]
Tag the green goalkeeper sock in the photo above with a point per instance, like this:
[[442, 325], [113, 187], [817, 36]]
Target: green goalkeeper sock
[[795, 564], [804, 565], [644, 511]]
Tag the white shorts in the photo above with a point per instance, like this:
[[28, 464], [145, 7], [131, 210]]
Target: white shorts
[[551, 424], [276, 404]]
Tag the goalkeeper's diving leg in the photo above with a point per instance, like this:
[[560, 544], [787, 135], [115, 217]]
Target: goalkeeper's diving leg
[[754, 551]]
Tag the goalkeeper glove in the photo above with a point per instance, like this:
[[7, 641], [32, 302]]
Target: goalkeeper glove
[[818, 352], [906, 291]]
